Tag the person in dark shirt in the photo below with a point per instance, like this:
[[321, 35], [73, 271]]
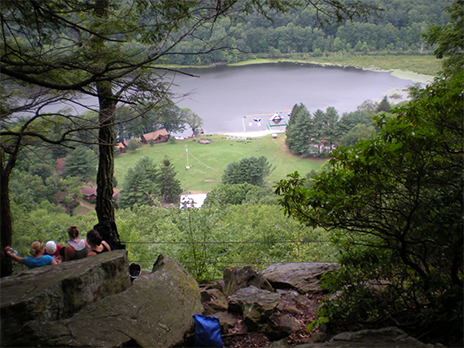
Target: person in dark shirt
[[96, 244]]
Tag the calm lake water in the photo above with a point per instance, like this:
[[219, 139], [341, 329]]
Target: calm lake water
[[221, 96]]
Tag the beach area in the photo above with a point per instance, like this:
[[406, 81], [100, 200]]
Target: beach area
[[253, 134]]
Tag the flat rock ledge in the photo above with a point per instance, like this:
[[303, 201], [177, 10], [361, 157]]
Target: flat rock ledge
[[155, 311], [381, 338]]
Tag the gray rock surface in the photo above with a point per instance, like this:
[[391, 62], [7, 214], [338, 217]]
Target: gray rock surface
[[255, 305], [381, 338], [213, 300], [156, 311], [240, 277], [301, 276], [57, 292]]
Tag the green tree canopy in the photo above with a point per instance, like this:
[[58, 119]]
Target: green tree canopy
[[193, 120], [395, 205], [449, 39], [250, 170], [140, 184], [133, 145], [300, 131], [81, 163], [239, 194], [169, 185], [384, 105]]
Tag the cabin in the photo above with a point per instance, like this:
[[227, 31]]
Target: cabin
[[89, 193], [158, 137], [121, 147]]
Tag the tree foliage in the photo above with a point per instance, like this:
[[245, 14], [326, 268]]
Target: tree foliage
[[449, 39], [314, 134], [169, 185], [140, 184], [133, 145], [227, 194], [397, 29], [193, 120], [81, 163], [299, 130], [251, 170], [395, 205]]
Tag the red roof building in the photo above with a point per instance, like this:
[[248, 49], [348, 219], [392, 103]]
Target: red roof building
[[158, 137]]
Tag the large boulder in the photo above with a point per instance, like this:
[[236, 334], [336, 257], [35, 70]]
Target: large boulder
[[301, 276], [56, 292], [156, 311], [255, 305], [213, 300], [241, 277]]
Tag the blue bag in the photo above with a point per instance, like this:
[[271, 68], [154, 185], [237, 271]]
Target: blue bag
[[207, 331]]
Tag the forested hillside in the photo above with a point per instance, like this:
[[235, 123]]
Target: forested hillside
[[396, 29]]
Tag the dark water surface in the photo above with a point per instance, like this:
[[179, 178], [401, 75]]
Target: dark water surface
[[221, 96]]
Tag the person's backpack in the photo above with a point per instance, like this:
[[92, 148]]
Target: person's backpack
[[109, 233], [207, 331]]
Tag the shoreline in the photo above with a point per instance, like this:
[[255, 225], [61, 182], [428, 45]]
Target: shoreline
[[251, 134], [399, 73]]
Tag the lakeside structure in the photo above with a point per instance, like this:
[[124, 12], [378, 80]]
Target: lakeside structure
[[193, 200]]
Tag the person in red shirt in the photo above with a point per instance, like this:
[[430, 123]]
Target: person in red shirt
[[53, 249]]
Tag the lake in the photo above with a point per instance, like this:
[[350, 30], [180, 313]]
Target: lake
[[221, 96]]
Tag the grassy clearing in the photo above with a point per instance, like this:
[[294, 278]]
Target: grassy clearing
[[208, 161], [419, 64]]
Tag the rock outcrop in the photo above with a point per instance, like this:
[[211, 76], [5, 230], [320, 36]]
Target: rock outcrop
[[240, 277], [92, 303], [381, 338], [155, 311], [267, 301], [301, 276], [57, 292]]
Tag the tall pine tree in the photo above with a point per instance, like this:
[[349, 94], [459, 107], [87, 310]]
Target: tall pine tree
[[81, 163], [140, 184], [299, 135], [169, 186]]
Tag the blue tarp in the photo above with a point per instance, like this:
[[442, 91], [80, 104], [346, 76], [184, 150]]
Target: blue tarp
[[207, 331]]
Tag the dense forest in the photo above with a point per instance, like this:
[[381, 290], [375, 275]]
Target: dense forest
[[397, 29]]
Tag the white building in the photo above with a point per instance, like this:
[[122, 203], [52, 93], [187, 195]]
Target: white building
[[192, 200]]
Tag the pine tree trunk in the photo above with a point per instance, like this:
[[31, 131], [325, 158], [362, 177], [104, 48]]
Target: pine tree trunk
[[6, 226], [104, 204]]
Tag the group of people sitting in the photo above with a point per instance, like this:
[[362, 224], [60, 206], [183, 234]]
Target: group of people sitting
[[53, 253]]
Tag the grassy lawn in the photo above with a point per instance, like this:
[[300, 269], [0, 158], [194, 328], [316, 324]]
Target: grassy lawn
[[208, 161]]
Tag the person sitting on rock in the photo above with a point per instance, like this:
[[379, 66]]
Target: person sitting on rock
[[37, 259], [53, 249], [76, 248], [96, 243]]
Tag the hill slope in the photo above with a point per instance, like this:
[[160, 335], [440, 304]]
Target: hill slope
[[208, 161]]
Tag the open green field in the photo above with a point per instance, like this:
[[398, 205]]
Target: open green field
[[208, 161]]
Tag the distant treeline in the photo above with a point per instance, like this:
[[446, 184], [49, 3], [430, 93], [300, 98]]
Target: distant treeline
[[397, 29]]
